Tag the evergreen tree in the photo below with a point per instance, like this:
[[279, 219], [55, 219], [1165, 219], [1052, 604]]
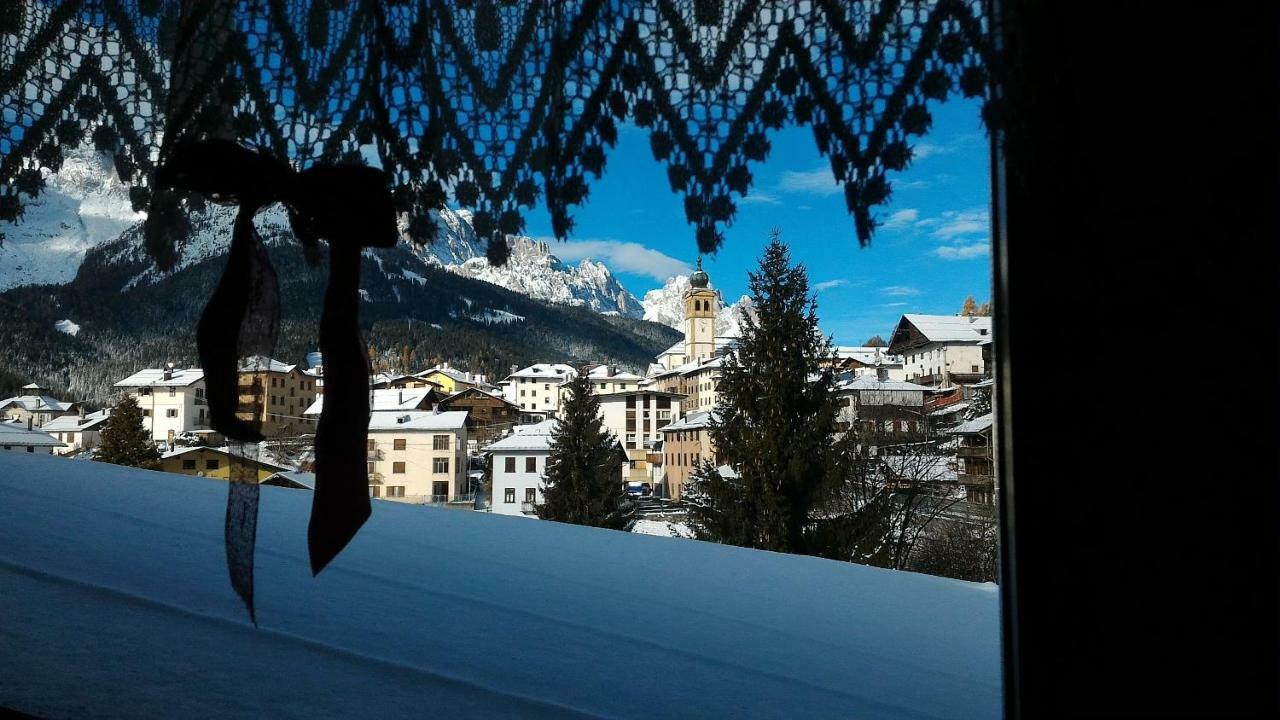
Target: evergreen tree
[[583, 483], [125, 440], [776, 423]]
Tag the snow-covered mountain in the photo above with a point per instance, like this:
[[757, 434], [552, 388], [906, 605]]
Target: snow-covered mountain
[[666, 305], [82, 206], [85, 205]]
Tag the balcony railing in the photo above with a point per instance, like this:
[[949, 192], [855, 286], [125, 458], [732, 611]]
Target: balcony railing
[[528, 507], [979, 452], [973, 479]]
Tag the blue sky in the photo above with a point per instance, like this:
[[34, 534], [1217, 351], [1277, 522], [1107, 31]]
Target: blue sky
[[932, 251]]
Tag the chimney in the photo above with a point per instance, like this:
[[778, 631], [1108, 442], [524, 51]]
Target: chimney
[[882, 373], [610, 370], [400, 397], [515, 369], [167, 373], [80, 411]]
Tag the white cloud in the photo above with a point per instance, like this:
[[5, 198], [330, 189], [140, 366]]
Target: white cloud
[[901, 218], [900, 291], [953, 224], [759, 198], [889, 305], [828, 284], [627, 257], [963, 252], [815, 182], [924, 150]]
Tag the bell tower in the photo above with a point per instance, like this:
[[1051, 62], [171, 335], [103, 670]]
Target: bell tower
[[700, 307]]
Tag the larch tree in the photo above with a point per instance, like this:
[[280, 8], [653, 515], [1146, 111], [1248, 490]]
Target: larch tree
[[776, 425], [970, 307], [583, 482], [875, 341], [125, 440]]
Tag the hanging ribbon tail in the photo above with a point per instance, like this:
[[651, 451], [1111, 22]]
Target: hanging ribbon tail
[[341, 501], [241, 534]]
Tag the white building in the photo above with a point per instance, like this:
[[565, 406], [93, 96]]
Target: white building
[[519, 465], [608, 379], [418, 457], [78, 432], [36, 405], [637, 419], [941, 350], [537, 387], [172, 400], [15, 437]]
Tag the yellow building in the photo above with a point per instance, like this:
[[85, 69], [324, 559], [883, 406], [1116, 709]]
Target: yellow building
[[215, 463], [276, 394], [451, 380]]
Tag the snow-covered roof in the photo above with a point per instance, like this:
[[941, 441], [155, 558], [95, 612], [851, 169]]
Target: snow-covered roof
[[950, 409], [867, 355], [546, 371], [32, 386], [453, 373], [418, 420], [980, 424], [951, 328], [871, 382], [622, 394], [292, 478], [924, 468], [601, 373], [36, 403], [477, 388], [261, 363], [154, 377], [384, 400], [526, 438], [17, 434], [75, 423], [225, 452], [128, 554], [692, 421]]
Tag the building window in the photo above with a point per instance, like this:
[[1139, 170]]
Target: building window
[[172, 391], [144, 391], [975, 368], [146, 413], [397, 468], [210, 464], [374, 491], [188, 464], [373, 444], [440, 442], [395, 491], [171, 412], [531, 464], [440, 466], [530, 495], [510, 465], [398, 444], [509, 495]]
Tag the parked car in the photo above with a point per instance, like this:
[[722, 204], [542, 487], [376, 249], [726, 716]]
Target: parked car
[[637, 489]]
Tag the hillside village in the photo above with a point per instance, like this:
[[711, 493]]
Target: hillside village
[[450, 437]]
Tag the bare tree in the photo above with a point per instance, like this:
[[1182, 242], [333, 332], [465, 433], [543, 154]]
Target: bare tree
[[962, 546]]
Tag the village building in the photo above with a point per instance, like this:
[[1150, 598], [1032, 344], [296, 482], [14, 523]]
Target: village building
[[217, 462], [15, 436], [36, 405], [700, 342], [419, 457], [451, 380], [275, 394], [977, 459], [489, 416], [518, 467], [861, 360], [942, 350], [637, 419], [608, 379], [880, 407], [686, 443], [316, 374], [79, 432], [172, 400], [537, 388]]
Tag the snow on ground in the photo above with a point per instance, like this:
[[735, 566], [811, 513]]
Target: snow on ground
[[68, 327], [116, 603], [662, 528]]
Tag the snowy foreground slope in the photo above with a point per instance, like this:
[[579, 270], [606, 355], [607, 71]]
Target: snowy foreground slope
[[114, 603]]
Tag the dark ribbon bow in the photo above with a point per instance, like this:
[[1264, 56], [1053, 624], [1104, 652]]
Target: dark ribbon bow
[[350, 207]]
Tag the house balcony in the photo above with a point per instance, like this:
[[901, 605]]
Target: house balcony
[[528, 507], [974, 452], [977, 480]]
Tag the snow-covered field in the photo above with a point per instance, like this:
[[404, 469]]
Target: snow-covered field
[[114, 602]]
